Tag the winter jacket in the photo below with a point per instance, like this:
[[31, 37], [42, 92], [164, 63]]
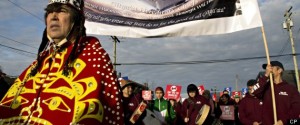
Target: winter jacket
[[191, 108], [250, 110], [287, 100], [130, 104], [166, 110]]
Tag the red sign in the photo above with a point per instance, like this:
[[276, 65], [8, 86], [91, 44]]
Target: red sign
[[201, 89], [227, 112], [235, 94], [173, 92], [146, 94], [214, 97], [221, 93]]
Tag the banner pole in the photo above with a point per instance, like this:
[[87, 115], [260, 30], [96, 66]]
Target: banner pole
[[271, 76]]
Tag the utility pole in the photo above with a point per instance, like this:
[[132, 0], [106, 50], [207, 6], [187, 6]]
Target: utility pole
[[115, 52], [288, 24], [236, 82]]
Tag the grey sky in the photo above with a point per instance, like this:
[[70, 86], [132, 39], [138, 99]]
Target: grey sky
[[23, 27]]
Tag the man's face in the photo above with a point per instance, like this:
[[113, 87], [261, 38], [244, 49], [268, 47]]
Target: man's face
[[192, 94], [59, 23], [237, 100], [127, 90], [250, 88], [224, 99], [276, 71], [158, 94]]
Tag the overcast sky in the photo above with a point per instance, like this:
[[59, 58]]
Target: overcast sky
[[22, 23]]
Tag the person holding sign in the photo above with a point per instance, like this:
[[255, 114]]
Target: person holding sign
[[191, 106], [286, 96], [227, 107], [250, 108], [131, 101], [163, 108], [176, 104]]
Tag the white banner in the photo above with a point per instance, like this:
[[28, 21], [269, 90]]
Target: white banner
[[168, 18]]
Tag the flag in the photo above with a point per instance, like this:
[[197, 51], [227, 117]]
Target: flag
[[169, 18], [244, 91]]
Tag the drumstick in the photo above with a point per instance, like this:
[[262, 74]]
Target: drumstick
[[187, 110], [187, 113]]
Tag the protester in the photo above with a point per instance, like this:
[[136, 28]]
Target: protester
[[223, 93], [216, 111], [163, 107], [176, 104], [72, 80], [192, 105], [225, 100], [131, 101], [236, 110], [250, 108], [286, 96]]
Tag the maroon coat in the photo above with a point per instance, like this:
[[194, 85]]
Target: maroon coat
[[287, 100], [250, 110], [178, 120], [191, 107], [130, 104], [229, 102]]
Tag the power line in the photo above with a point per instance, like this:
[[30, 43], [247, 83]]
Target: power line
[[203, 62], [298, 34], [17, 41], [26, 11], [23, 51], [283, 48]]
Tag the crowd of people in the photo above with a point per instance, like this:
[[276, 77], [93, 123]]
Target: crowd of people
[[254, 109], [73, 82]]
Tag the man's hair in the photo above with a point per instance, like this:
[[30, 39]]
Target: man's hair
[[226, 96]]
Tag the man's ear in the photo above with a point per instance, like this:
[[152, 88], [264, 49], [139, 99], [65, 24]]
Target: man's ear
[[280, 70]]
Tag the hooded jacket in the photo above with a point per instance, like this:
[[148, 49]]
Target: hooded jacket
[[287, 100], [191, 106], [167, 111], [250, 110]]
